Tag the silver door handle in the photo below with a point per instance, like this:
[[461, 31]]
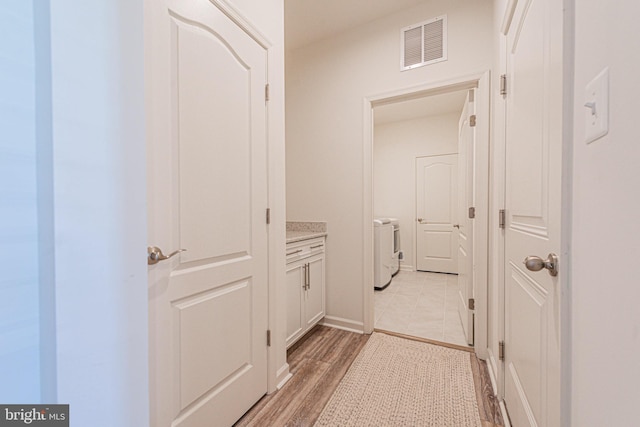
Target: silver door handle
[[457, 226], [535, 263], [155, 254]]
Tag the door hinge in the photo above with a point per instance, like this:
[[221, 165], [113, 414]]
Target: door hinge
[[472, 304], [503, 84], [502, 218], [472, 120], [266, 92], [501, 350], [268, 215], [268, 337], [472, 212]]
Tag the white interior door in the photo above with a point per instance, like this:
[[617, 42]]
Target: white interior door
[[436, 210], [466, 173], [207, 194], [533, 207]]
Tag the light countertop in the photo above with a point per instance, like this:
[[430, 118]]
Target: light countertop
[[297, 236], [298, 231]]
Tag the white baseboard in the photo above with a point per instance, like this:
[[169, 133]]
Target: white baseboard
[[344, 324], [283, 375], [407, 268]]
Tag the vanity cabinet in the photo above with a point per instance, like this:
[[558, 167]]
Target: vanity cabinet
[[305, 286]]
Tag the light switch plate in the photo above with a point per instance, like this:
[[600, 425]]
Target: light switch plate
[[596, 107]]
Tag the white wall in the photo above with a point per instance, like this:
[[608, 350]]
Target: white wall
[[396, 146], [326, 85], [99, 193], [606, 185], [19, 293]]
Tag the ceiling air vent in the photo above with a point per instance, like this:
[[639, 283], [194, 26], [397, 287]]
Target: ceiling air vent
[[424, 43]]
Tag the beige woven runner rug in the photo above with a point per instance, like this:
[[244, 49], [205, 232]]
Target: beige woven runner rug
[[399, 382]]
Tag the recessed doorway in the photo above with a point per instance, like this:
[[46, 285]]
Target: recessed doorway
[[410, 282], [415, 163]]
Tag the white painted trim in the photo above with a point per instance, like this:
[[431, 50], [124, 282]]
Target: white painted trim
[[491, 367], [344, 324], [283, 375], [367, 215], [427, 89], [232, 13], [503, 411], [508, 16], [276, 251], [407, 268], [481, 80], [275, 244], [566, 337]]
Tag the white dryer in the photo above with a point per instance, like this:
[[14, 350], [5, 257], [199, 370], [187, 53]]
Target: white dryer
[[396, 257], [383, 252]]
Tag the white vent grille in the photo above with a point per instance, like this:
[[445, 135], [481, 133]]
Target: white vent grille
[[413, 47], [424, 43]]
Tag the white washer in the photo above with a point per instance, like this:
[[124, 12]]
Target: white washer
[[383, 252]]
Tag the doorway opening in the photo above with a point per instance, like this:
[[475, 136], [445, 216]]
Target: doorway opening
[[405, 127], [415, 185]]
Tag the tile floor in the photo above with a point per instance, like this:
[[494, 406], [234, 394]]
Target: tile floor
[[421, 304]]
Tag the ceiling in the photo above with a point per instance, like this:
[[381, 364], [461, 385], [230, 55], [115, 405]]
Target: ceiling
[[307, 21], [451, 102]]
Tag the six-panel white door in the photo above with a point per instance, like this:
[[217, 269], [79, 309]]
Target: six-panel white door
[[533, 208], [207, 194], [436, 213], [465, 199]]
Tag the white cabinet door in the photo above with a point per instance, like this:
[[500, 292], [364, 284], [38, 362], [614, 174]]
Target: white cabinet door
[[437, 204], [207, 193], [305, 287], [533, 206], [314, 295], [295, 295]]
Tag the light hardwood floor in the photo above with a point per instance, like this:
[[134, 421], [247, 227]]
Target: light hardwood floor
[[318, 362]]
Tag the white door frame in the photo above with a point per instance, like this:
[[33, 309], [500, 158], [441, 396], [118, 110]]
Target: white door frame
[[480, 80]]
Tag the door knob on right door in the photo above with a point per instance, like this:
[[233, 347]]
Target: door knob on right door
[[535, 263]]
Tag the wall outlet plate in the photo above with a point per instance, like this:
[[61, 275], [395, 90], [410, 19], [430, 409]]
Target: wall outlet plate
[[596, 107]]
